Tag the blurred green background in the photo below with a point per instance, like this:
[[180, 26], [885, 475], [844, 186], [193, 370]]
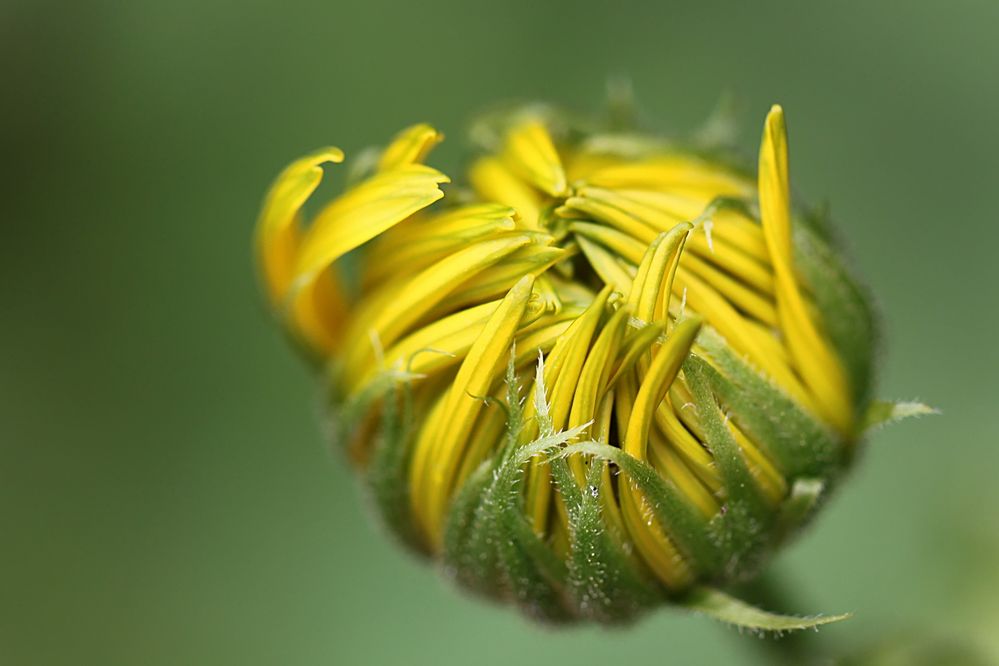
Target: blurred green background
[[166, 495]]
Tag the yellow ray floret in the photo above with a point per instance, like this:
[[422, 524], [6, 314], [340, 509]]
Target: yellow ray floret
[[420, 241], [365, 211], [388, 318], [278, 229], [494, 181], [813, 356], [410, 146], [442, 447], [649, 537], [530, 153]]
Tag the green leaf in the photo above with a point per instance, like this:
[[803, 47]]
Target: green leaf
[[883, 412], [730, 610]]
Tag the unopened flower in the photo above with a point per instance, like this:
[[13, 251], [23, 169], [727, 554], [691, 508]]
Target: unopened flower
[[602, 373]]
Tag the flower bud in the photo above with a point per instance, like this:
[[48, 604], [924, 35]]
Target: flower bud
[[601, 374]]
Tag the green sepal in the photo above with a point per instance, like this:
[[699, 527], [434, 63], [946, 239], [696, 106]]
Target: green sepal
[[523, 558], [848, 318], [620, 108], [799, 445], [742, 529], [470, 534], [685, 526], [501, 555], [346, 414], [534, 575], [818, 219], [386, 474], [603, 583], [472, 570], [719, 131], [469, 556], [488, 130], [728, 609], [489, 547], [884, 412], [805, 497]]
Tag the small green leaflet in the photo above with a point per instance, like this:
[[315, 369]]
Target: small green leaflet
[[725, 608], [884, 412]]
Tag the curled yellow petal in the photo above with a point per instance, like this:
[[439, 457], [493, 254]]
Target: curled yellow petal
[[410, 146], [278, 229], [364, 212], [649, 537]]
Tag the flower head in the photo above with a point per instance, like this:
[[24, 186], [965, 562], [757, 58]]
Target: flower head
[[601, 373]]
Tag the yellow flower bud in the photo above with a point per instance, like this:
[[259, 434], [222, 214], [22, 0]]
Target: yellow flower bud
[[602, 373]]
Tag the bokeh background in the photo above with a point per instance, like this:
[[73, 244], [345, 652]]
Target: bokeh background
[[166, 496]]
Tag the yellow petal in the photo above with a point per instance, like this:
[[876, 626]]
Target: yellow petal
[[635, 347], [683, 443], [738, 294], [741, 333], [661, 374], [640, 229], [443, 452], [671, 466], [405, 304], [605, 266], [596, 372], [562, 368], [620, 243], [650, 539], [493, 181], [349, 221], [658, 210], [530, 153], [278, 232], [435, 346], [734, 260], [420, 241], [531, 259], [673, 173], [366, 211], [651, 542], [410, 146], [649, 295], [814, 358]]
